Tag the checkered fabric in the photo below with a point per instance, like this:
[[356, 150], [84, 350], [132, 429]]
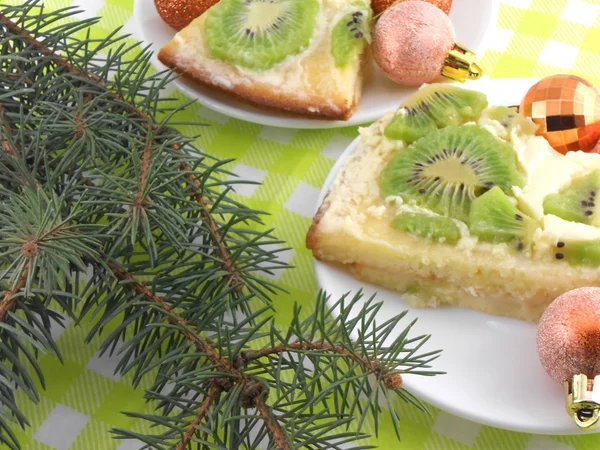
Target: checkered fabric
[[83, 398]]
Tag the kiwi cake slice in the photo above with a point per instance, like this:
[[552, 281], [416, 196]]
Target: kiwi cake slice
[[433, 227], [351, 33], [495, 218], [577, 202], [432, 107], [446, 170], [258, 34]]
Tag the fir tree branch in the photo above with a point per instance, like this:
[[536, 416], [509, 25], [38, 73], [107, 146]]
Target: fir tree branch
[[7, 145], [370, 365], [226, 258], [10, 297], [201, 344], [209, 401], [279, 438]]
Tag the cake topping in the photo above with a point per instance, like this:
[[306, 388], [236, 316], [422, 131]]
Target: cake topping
[[432, 107], [351, 33], [258, 34]]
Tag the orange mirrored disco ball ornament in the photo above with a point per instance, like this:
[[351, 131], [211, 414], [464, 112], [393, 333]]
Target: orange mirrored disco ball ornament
[[567, 110], [179, 13]]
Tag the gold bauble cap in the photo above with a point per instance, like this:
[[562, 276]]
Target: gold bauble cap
[[460, 64], [583, 400]]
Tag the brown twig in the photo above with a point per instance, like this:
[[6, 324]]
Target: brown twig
[[198, 194], [272, 425], [175, 318], [10, 297], [6, 145], [211, 398], [370, 365]]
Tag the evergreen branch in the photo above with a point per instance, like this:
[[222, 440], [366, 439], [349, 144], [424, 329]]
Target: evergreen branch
[[279, 437], [226, 258], [10, 297], [253, 355], [211, 398], [201, 344], [7, 145]]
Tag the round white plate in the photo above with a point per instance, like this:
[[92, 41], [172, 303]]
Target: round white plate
[[473, 19], [493, 375]]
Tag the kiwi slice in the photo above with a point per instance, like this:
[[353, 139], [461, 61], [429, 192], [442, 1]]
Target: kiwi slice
[[351, 34], [446, 170], [436, 228], [577, 202], [510, 120], [494, 218], [258, 34], [435, 106], [579, 253]]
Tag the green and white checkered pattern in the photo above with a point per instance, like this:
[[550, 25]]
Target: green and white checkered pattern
[[83, 397]]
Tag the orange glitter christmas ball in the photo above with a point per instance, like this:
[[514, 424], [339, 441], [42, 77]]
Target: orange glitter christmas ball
[[567, 110], [179, 13], [380, 6], [568, 336]]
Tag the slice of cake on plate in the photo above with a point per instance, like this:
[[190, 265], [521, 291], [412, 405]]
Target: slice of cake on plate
[[453, 202], [305, 57]]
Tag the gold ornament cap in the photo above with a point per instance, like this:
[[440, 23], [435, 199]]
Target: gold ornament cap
[[460, 64], [583, 400]]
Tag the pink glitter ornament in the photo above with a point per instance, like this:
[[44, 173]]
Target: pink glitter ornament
[[568, 342], [414, 43]]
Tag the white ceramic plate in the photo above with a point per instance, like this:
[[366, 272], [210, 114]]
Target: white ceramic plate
[[493, 373], [473, 19]]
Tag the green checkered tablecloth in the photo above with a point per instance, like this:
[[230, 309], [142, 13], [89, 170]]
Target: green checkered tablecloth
[[83, 399]]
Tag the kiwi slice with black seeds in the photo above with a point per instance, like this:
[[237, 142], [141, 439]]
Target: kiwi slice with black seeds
[[510, 119], [258, 34], [495, 218], [579, 253], [433, 227], [435, 106], [577, 202], [446, 170], [351, 34]]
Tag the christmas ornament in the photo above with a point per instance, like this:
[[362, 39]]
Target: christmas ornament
[[567, 110], [379, 6], [414, 43], [179, 13], [568, 341]]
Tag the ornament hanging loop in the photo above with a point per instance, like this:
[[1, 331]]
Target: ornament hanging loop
[[583, 400]]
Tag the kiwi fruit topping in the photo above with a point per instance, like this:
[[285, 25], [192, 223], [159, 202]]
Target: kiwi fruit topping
[[434, 227], [446, 170], [258, 34], [510, 119], [579, 253], [577, 202], [495, 218], [435, 106], [351, 34]]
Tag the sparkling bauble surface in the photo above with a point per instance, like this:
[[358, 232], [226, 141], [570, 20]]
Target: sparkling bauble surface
[[567, 110], [411, 41], [179, 13], [380, 6], [568, 336]]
